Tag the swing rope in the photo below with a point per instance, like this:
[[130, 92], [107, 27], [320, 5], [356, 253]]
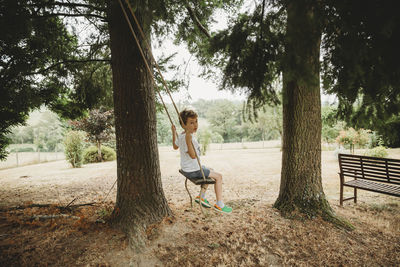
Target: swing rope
[[153, 79]]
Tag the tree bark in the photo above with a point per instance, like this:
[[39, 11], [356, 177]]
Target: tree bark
[[140, 197], [301, 187]]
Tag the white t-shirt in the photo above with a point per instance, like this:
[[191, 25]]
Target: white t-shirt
[[187, 163]]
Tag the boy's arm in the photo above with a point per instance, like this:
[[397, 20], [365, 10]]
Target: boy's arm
[[173, 128], [189, 144]]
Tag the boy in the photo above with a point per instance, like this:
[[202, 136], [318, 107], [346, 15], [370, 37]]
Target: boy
[[189, 164]]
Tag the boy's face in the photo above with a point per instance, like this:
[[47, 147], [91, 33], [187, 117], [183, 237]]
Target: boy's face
[[191, 125]]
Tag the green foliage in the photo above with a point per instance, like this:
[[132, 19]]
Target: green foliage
[[4, 142], [74, 146], [42, 62], [205, 139], [268, 123], [98, 127], [22, 134], [375, 140], [251, 54], [216, 138], [22, 149], [44, 129], [331, 126], [225, 118], [389, 130], [363, 137], [378, 152], [90, 154], [165, 64], [164, 134], [361, 59], [360, 52]]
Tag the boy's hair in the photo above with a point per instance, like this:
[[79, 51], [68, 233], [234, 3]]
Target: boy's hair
[[185, 114]]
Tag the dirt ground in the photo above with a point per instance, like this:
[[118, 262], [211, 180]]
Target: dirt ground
[[253, 235]]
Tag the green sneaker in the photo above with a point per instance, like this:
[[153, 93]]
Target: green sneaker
[[225, 209], [204, 202]]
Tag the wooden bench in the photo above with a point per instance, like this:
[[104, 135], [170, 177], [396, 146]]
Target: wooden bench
[[381, 175]]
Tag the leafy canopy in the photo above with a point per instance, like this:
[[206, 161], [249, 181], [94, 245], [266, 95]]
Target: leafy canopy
[[43, 63], [360, 55]]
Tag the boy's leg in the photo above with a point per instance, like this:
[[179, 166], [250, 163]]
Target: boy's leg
[[202, 196], [220, 206], [218, 184], [204, 186]]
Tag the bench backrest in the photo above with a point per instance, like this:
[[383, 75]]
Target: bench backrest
[[370, 168]]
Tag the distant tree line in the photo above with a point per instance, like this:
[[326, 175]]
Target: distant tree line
[[224, 121], [221, 121], [46, 132]]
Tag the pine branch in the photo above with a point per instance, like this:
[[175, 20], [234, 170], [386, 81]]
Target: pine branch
[[69, 62], [70, 15], [197, 21], [91, 22], [262, 19], [63, 4]]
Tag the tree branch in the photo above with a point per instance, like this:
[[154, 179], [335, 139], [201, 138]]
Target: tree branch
[[69, 62], [69, 5], [197, 21], [262, 18], [80, 5], [70, 15], [91, 22]]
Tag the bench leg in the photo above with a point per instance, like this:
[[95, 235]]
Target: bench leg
[[341, 195], [355, 195], [341, 190]]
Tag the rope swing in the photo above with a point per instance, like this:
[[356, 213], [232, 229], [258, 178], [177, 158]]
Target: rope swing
[[204, 180]]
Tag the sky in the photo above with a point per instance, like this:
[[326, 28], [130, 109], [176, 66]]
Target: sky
[[199, 88]]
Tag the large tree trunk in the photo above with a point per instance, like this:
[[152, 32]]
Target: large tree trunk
[[301, 188], [140, 197]]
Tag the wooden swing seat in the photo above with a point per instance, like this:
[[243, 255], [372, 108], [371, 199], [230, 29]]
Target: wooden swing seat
[[198, 180]]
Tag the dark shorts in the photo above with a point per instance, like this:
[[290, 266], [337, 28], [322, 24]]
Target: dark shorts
[[197, 174]]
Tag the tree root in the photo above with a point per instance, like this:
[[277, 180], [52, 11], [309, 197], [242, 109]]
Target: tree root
[[302, 210]]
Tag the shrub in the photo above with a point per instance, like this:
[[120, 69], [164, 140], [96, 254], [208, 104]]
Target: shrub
[[349, 138], [374, 140], [90, 154], [204, 138], [74, 145], [378, 152]]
